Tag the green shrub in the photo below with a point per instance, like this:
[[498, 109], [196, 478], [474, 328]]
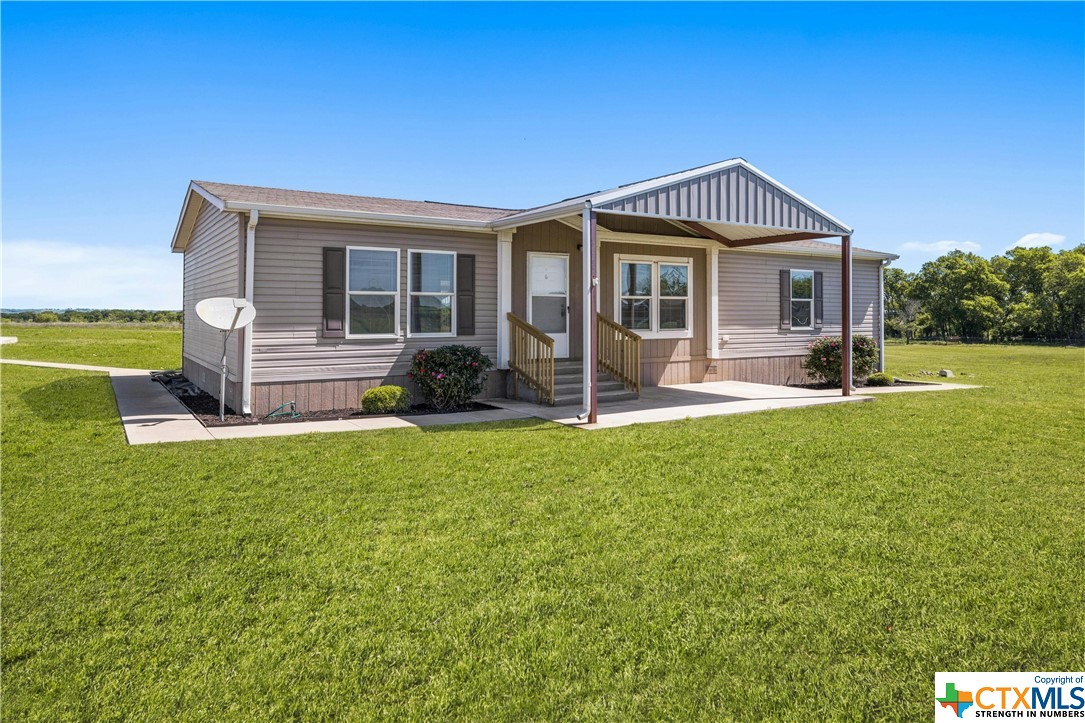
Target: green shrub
[[449, 376], [824, 359], [387, 399], [880, 379]]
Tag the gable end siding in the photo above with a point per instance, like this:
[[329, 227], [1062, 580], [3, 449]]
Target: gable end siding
[[212, 267]]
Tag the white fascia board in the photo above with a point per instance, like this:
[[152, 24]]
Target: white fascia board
[[386, 219], [547, 213], [178, 245], [782, 187], [651, 184]]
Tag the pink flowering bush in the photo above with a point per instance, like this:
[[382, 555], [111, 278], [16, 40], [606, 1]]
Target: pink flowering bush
[[824, 358], [449, 376]]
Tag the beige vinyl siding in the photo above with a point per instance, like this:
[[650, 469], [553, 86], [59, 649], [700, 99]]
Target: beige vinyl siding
[[212, 267], [749, 298], [288, 294]]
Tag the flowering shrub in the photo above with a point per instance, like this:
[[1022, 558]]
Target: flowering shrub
[[824, 359], [387, 399], [449, 376]]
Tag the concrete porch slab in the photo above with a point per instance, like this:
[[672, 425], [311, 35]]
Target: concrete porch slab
[[682, 401]]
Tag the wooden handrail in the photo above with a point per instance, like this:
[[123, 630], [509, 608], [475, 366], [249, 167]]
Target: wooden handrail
[[531, 358], [619, 353]]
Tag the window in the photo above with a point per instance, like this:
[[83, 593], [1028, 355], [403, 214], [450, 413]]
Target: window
[[654, 296], [372, 292], [432, 293], [802, 299]]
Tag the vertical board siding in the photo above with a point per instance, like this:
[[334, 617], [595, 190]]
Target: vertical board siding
[[749, 298], [212, 267], [288, 346], [557, 238], [732, 195]]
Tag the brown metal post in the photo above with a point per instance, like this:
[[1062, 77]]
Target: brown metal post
[[845, 314], [593, 414]]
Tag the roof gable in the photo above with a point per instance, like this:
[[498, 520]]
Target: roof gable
[[731, 192]]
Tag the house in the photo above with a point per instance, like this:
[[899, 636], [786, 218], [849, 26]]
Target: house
[[715, 273]]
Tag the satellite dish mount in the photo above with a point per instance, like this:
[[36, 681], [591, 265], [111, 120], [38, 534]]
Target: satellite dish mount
[[225, 314]]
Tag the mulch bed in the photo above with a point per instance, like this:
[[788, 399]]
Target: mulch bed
[[896, 383], [206, 408]]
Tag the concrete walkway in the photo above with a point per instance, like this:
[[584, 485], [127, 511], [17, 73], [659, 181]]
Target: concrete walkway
[[150, 414], [707, 399]]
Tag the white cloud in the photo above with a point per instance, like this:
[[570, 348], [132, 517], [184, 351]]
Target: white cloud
[[940, 247], [1033, 240], [58, 274]]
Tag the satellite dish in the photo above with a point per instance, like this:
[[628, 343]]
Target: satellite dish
[[225, 313]]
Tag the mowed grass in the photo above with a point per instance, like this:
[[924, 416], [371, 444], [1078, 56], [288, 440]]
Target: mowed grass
[[137, 346], [809, 564]]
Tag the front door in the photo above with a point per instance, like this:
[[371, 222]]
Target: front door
[[548, 298]]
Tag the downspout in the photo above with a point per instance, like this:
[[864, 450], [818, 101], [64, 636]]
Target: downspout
[[587, 258], [246, 352], [881, 315]]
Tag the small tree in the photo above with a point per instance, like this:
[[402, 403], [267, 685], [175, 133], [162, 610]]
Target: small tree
[[825, 361], [449, 376]]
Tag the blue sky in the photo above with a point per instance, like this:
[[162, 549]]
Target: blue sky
[[925, 126]]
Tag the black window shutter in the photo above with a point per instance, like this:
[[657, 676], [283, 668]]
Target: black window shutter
[[785, 298], [465, 295], [335, 292], [819, 303]]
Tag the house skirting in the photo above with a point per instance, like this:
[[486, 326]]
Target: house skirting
[[778, 370], [323, 394], [207, 378]]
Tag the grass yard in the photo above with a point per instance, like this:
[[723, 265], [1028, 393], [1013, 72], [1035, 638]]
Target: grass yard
[[140, 346], [807, 564]]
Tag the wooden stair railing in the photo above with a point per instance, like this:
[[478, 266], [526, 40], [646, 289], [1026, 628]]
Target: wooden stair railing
[[619, 353], [531, 358]]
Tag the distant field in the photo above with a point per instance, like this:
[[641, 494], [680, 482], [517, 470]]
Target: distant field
[[139, 346], [797, 565]]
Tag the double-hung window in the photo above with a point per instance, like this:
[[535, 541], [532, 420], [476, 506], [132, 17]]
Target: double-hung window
[[654, 295], [802, 299], [432, 293], [372, 292]]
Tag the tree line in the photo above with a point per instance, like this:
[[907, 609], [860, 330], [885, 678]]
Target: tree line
[[1024, 294], [94, 316]]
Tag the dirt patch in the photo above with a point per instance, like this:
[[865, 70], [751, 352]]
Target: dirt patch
[[206, 408]]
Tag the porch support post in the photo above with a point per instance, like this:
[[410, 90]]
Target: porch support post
[[589, 262], [504, 295], [881, 315], [713, 287], [845, 314]]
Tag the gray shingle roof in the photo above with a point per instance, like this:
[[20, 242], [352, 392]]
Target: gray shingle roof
[[341, 202]]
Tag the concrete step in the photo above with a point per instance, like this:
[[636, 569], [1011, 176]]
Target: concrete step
[[575, 387], [619, 395]]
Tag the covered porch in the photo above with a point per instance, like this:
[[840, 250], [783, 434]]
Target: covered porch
[[626, 282]]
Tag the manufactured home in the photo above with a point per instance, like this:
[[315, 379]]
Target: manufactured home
[[715, 273]]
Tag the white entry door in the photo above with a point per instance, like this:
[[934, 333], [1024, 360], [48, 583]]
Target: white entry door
[[548, 298]]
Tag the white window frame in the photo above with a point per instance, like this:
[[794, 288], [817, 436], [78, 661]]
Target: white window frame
[[410, 293], [654, 332], [791, 296], [399, 282]]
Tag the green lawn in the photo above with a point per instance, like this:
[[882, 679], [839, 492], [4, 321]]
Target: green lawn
[[808, 564], [139, 346]]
